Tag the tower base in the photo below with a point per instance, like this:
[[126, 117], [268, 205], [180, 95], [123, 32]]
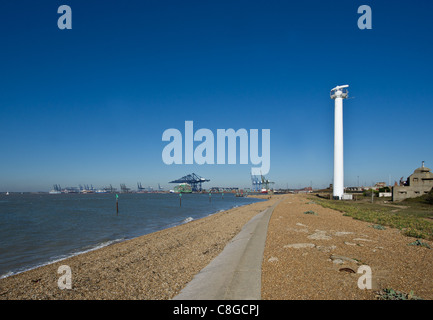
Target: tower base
[[345, 196]]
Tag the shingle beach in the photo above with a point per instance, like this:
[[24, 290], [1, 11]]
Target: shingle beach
[[154, 266]]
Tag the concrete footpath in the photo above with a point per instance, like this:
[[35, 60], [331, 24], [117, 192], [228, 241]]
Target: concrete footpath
[[235, 274]]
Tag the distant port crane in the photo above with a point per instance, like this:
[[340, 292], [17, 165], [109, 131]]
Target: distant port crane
[[124, 189], [260, 183], [256, 183], [140, 187], [81, 189], [192, 179], [56, 189], [265, 184], [110, 189]]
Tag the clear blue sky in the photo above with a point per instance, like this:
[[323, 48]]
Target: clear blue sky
[[89, 105]]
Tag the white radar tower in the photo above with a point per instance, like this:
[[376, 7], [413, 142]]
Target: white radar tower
[[338, 94]]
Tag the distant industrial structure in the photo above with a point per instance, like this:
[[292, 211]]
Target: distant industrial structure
[[260, 184], [420, 182], [140, 188], [193, 180], [224, 189], [256, 183], [124, 188], [376, 187]]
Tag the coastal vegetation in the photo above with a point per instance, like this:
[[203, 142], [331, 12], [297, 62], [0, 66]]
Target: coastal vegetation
[[391, 294], [413, 216]]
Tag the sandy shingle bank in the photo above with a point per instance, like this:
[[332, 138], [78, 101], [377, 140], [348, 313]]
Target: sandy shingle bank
[[305, 252]]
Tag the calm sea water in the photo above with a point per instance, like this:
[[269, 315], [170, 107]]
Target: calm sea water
[[36, 229]]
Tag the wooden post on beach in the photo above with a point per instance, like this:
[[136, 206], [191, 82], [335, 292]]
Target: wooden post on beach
[[117, 204]]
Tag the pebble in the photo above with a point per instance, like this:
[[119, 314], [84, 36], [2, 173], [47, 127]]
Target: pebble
[[326, 248], [319, 235], [300, 245], [362, 239], [342, 258], [342, 233]]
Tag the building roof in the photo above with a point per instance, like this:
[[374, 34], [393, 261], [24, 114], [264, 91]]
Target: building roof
[[422, 169]]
